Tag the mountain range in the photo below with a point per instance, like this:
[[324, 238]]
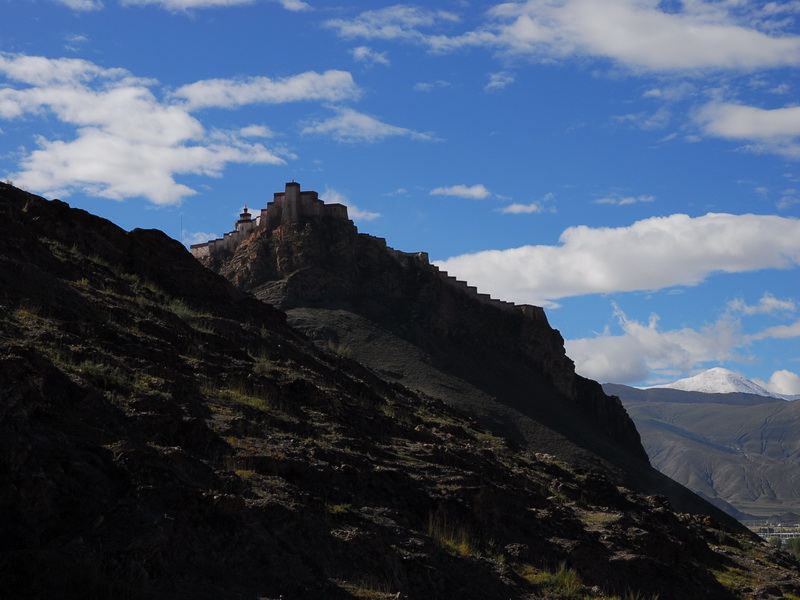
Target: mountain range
[[724, 437], [374, 431]]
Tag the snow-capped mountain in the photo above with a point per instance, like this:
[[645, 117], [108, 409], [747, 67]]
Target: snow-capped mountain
[[718, 381]]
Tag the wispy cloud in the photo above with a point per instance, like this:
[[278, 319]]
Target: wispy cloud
[[81, 5], [768, 304], [367, 55], [430, 86], [497, 81], [351, 126], [400, 22], [476, 192], [618, 200], [230, 93], [178, 5]]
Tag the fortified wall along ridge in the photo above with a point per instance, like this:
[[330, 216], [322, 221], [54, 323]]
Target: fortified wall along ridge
[[294, 205]]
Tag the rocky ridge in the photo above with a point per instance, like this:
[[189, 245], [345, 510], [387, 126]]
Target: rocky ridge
[[165, 435]]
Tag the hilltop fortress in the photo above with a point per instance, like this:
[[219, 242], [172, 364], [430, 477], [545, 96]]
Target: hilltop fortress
[[287, 206], [294, 206]]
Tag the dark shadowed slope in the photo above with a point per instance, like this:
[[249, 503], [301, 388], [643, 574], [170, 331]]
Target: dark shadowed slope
[[165, 436]]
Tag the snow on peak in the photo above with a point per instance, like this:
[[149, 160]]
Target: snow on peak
[[719, 381]]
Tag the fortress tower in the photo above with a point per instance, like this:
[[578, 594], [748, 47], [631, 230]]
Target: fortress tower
[[287, 206]]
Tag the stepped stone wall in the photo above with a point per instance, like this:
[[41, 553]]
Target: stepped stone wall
[[294, 205]]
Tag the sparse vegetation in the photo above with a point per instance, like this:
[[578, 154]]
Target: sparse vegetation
[[454, 538], [564, 581]]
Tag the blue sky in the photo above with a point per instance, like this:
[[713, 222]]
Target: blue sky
[[631, 165]]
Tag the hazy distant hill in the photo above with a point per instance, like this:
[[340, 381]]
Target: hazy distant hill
[[735, 448]]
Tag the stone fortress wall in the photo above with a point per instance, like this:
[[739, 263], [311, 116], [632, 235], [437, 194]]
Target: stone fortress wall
[[286, 206], [294, 205]]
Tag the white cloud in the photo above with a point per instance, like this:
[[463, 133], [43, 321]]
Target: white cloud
[[369, 56], [352, 126], [782, 382], [497, 81], [774, 131], [228, 93], [617, 200], [651, 254], [293, 5], [643, 350], [332, 196], [737, 121], [638, 34], [477, 191], [127, 142], [261, 131]]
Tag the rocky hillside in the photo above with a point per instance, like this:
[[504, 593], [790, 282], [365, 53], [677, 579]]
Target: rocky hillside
[[165, 435], [502, 365], [739, 451]]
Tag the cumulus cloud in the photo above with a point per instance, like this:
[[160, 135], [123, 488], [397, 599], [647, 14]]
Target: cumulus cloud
[[354, 212], [228, 93], [476, 192], [774, 131], [643, 349], [349, 125], [651, 254], [129, 142], [782, 382]]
